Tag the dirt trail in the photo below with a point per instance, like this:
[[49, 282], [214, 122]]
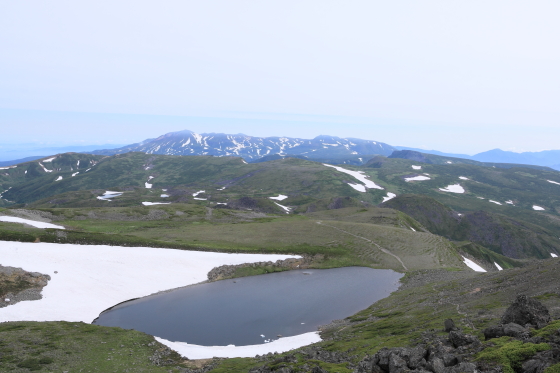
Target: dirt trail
[[365, 239]]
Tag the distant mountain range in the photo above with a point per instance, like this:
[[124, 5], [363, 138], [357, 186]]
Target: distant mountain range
[[251, 149], [329, 149], [548, 158]]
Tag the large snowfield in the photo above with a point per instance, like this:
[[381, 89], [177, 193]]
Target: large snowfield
[[88, 279]]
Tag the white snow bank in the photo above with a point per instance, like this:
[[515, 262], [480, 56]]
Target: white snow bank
[[358, 187], [455, 188], [197, 193], [280, 197], [480, 197], [59, 178], [417, 167], [36, 224], [553, 182], [155, 203], [553, 255], [359, 175], [287, 209], [92, 278], [49, 160], [449, 162], [222, 188], [463, 178], [75, 173], [7, 168], [538, 208], [44, 169], [206, 352], [389, 196], [472, 265], [496, 202], [109, 194], [164, 196], [510, 202], [417, 178], [498, 266]]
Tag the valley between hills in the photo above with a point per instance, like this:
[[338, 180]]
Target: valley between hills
[[421, 215]]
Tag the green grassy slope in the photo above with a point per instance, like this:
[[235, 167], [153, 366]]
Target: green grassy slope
[[502, 234]]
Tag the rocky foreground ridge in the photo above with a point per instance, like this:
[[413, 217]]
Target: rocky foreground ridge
[[526, 341]]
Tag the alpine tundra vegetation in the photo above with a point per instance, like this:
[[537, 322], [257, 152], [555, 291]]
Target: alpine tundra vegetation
[[465, 234]]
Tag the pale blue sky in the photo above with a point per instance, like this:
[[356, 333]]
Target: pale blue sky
[[455, 76]]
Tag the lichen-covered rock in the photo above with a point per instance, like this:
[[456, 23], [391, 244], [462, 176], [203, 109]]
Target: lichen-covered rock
[[525, 310]]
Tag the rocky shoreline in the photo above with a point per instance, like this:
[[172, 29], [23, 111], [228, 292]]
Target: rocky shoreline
[[229, 271]]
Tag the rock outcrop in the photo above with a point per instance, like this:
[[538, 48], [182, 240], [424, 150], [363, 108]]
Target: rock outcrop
[[525, 311]]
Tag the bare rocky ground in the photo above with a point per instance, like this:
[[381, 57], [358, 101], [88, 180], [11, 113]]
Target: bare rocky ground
[[17, 285]]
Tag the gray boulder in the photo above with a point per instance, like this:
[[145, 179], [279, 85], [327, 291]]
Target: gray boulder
[[525, 310], [449, 325], [459, 339], [510, 330], [450, 360], [436, 365], [397, 364], [534, 366], [462, 368]]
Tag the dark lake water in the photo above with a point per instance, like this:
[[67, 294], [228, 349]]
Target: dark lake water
[[239, 313]]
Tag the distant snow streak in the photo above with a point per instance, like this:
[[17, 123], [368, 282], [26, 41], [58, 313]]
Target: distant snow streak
[[389, 196], [360, 176], [496, 202], [538, 208], [553, 182], [498, 266], [286, 209], [553, 255], [280, 197], [417, 167], [417, 178], [155, 203], [44, 168]]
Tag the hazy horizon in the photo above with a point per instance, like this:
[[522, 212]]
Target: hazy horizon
[[455, 77]]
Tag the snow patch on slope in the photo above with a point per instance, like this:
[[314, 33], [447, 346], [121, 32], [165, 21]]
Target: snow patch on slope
[[455, 188], [472, 265], [286, 209], [36, 224], [416, 178], [389, 196], [360, 176], [280, 197]]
